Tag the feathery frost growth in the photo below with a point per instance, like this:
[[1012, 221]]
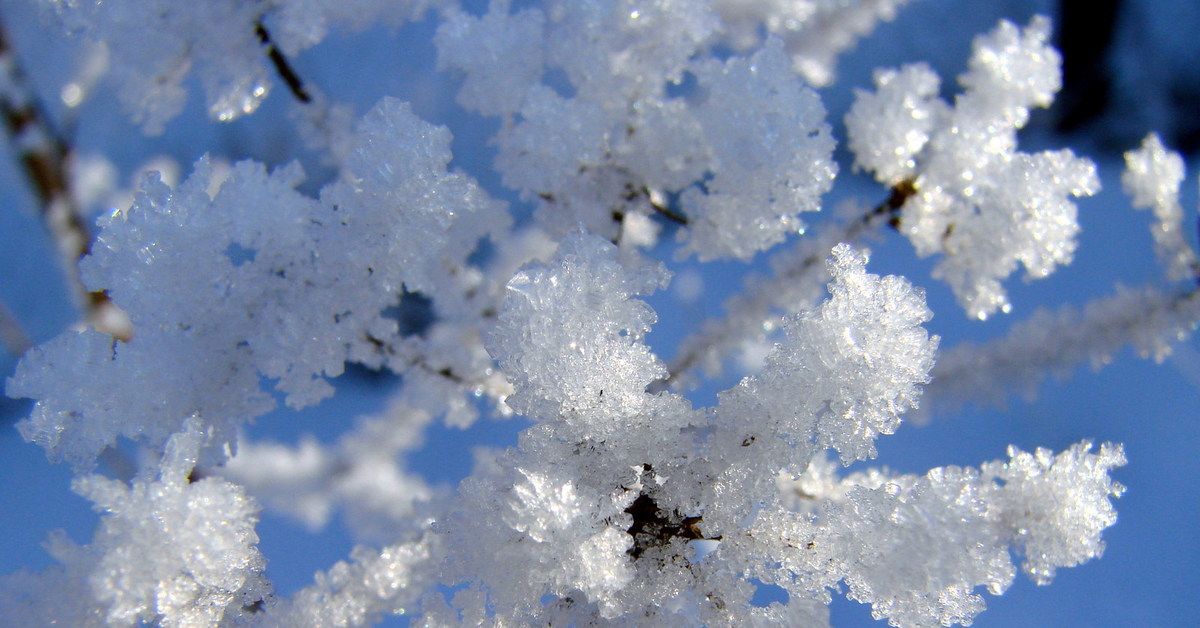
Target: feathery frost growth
[[623, 502], [979, 202], [169, 550]]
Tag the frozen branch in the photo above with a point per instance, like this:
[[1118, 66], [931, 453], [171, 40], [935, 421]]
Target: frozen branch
[[798, 279], [1055, 342]]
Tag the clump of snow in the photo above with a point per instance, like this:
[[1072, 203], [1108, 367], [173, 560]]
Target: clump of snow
[[845, 371], [980, 203], [169, 550], [771, 156], [258, 280]]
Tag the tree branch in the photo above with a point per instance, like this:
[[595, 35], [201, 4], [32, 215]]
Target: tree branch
[[282, 66], [798, 275], [44, 156]]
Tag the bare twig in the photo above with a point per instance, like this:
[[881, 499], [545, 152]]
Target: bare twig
[[282, 66]]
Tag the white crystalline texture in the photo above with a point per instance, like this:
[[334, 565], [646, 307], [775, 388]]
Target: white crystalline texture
[[917, 548], [155, 44], [917, 557], [888, 128], [1056, 505], [1056, 342], [500, 54], [1020, 213], [296, 25], [358, 593], [617, 506], [1152, 177], [848, 369], [407, 219], [981, 204], [771, 156], [833, 28], [1012, 69], [666, 149], [86, 385], [556, 141], [552, 530], [756, 132], [617, 51], [364, 475], [873, 351], [169, 551], [570, 336], [257, 280]]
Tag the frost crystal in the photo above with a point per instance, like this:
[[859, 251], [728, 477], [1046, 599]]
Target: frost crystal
[[955, 529], [364, 476], [1056, 505], [571, 337], [169, 550], [154, 44], [257, 280], [1056, 342], [983, 205], [816, 31], [747, 152], [764, 179], [846, 370], [500, 54]]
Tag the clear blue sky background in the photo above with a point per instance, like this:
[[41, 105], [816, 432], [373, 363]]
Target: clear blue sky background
[[1148, 575]]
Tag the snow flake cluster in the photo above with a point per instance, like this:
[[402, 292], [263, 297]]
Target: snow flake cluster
[[169, 550], [744, 145], [230, 281], [979, 202]]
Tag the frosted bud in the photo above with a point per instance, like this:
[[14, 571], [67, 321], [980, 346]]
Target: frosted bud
[[888, 128], [1152, 177], [771, 155], [1056, 505]]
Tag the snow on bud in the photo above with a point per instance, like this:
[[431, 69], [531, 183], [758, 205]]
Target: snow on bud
[[888, 128], [1152, 177], [917, 547], [1056, 505], [500, 54], [169, 551]]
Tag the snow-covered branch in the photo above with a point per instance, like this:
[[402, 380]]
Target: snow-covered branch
[[524, 288]]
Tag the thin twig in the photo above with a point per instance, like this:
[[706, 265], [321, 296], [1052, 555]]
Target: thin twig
[[282, 66], [753, 307], [43, 155]]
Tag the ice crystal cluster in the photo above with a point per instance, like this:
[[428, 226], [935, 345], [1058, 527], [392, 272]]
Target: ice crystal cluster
[[624, 502], [983, 204]]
